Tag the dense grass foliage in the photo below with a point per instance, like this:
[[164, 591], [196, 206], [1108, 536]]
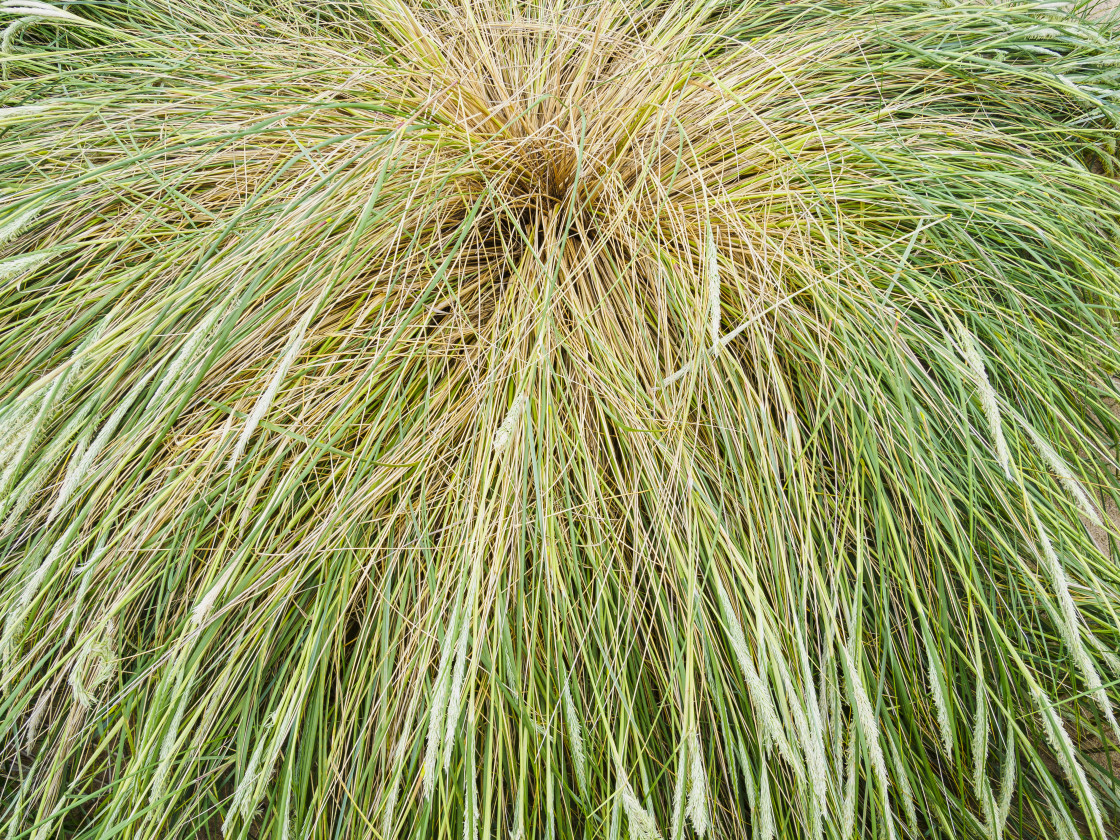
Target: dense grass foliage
[[493, 418]]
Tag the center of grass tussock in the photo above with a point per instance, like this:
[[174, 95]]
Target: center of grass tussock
[[552, 420]]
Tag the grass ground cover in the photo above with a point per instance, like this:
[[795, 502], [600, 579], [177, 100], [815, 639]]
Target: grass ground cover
[[540, 419]]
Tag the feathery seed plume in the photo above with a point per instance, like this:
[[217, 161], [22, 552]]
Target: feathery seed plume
[[677, 825], [988, 398], [711, 268], [15, 267], [575, 738], [438, 708], [390, 809], [1066, 754], [17, 613], [979, 742], [697, 811], [940, 704], [71, 480], [851, 778], [167, 745], [642, 825], [905, 791], [455, 697], [1065, 474], [264, 401], [765, 806], [1070, 627], [36, 718], [1006, 784], [759, 693], [97, 651], [15, 225], [869, 726], [504, 434], [201, 612], [242, 802]]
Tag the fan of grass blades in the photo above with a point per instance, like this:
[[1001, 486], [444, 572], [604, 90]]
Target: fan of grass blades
[[533, 419]]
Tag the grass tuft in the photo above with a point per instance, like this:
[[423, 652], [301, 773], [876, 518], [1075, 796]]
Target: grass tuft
[[557, 420]]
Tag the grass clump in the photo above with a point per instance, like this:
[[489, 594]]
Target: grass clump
[[541, 419]]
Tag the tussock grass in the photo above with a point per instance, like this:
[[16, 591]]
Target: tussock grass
[[509, 419]]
